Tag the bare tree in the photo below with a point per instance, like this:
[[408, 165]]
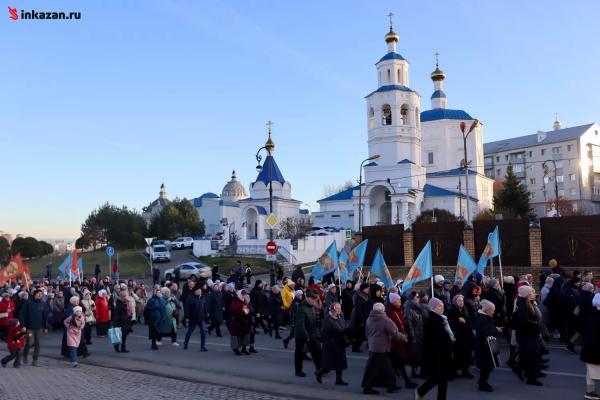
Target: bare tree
[[331, 189]]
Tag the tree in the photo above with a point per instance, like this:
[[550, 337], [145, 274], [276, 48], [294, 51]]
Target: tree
[[28, 247], [441, 215], [46, 248], [512, 200], [179, 218], [565, 207], [329, 190], [485, 215], [114, 225], [82, 243], [4, 250], [293, 228]]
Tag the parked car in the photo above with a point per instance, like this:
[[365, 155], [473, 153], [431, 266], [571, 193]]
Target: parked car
[[160, 253], [188, 270], [182, 242], [166, 243]]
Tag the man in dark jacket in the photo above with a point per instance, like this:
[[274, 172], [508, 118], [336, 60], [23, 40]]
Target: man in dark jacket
[[360, 313], [194, 314], [590, 351], [347, 295], [214, 308], [33, 316], [496, 296], [305, 330]]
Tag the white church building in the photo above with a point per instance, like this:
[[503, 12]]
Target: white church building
[[419, 153]]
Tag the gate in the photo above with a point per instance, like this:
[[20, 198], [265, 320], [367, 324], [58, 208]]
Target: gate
[[446, 238], [572, 241], [514, 240], [387, 237]]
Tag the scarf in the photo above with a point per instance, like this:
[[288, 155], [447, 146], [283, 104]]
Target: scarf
[[447, 327]]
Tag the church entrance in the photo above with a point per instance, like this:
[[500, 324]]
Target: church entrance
[[251, 224], [381, 206]]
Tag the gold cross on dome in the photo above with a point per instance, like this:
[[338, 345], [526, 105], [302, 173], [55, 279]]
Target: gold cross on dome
[[390, 15], [269, 125], [437, 59]]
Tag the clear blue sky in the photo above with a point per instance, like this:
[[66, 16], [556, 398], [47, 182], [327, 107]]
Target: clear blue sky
[[136, 93]]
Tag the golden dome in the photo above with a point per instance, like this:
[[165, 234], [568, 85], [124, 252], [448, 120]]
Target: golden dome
[[270, 145], [438, 75], [391, 36]]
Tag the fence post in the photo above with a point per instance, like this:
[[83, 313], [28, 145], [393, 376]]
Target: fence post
[[469, 240], [535, 246], [409, 251]]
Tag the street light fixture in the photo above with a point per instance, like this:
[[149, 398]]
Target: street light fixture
[[374, 157], [268, 147], [465, 135]]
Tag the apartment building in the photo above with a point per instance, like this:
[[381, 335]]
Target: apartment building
[[572, 155]]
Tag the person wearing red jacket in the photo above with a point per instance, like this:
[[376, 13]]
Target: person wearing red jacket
[[102, 315], [7, 307], [398, 352], [16, 342]]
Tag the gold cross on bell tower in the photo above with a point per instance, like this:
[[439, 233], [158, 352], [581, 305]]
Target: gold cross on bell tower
[[391, 15], [269, 125], [437, 59]]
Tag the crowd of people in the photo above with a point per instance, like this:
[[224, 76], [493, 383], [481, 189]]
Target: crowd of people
[[435, 334]]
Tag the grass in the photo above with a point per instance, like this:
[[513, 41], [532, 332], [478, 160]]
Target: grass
[[133, 264], [259, 265]]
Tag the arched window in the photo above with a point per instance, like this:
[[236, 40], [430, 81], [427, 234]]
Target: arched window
[[371, 118], [389, 75], [386, 115], [404, 114], [371, 113], [399, 76]]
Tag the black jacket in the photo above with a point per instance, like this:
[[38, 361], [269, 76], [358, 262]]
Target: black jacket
[[437, 347], [525, 322], [590, 352], [258, 300], [195, 309], [120, 318], [33, 314], [484, 327], [214, 306]]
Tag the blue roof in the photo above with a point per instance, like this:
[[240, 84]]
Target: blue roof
[[270, 170], [435, 191], [261, 210], [198, 200], [303, 211], [343, 195], [228, 203], [438, 94], [405, 161], [559, 135], [444, 113], [451, 172], [388, 88], [371, 164], [391, 56], [274, 198]]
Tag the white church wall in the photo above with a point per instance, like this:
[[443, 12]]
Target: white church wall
[[202, 248], [209, 212], [449, 203]]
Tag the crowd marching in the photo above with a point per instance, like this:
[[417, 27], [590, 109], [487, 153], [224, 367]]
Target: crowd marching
[[409, 335]]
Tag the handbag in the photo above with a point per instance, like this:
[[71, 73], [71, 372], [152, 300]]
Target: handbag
[[115, 335]]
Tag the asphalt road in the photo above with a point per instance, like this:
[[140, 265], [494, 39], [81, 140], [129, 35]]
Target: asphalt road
[[177, 257], [271, 371]]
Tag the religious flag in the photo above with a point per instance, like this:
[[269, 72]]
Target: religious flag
[[421, 269], [356, 258], [74, 266], [317, 271], [329, 259], [65, 266], [14, 268], [343, 267], [465, 265], [491, 250], [80, 266], [380, 270]]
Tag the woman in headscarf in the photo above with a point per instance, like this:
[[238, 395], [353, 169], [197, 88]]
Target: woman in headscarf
[[168, 325], [398, 352], [122, 319], [460, 323], [526, 320], [241, 323], [89, 311], [275, 310], [486, 356], [590, 351], [415, 320], [437, 350], [333, 345]]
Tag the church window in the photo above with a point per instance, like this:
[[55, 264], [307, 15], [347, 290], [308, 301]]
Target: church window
[[498, 172], [399, 76], [430, 158], [556, 150], [532, 181], [543, 151], [497, 158], [404, 114], [531, 154], [389, 75], [386, 111], [335, 215], [569, 147], [371, 113]]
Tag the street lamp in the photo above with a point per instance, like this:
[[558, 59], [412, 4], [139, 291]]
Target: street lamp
[[465, 135], [268, 147], [389, 181], [555, 183], [374, 157]]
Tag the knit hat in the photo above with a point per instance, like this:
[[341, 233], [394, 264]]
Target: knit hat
[[77, 309], [486, 305], [588, 287], [525, 291], [102, 293], [378, 307], [298, 293], [434, 302], [331, 286], [553, 263], [364, 286], [74, 300], [492, 283], [394, 297], [380, 283], [509, 279], [438, 278]]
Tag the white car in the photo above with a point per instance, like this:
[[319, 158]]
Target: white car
[[160, 253], [182, 242], [188, 270]]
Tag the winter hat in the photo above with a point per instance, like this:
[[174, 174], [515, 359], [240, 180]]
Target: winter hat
[[298, 293], [230, 286], [438, 278], [596, 301], [77, 309], [525, 291], [378, 307], [509, 279], [17, 288], [399, 282], [486, 305], [434, 302], [381, 284], [102, 293], [331, 286], [588, 287], [492, 283], [6, 294], [74, 300], [553, 263], [394, 297], [364, 286], [209, 282]]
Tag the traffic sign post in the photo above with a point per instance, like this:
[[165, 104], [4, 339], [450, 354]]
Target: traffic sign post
[[348, 234], [271, 257], [110, 251], [271, 247], [272, 220]]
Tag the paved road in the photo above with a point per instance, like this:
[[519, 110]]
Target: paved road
[[271, 371]]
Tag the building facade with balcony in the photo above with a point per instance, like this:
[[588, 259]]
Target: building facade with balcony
[[573, 153]]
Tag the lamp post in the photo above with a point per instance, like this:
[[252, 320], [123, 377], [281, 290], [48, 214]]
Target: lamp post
[[268, 147], [389, 181], [555, 183], [374, 157], [465, 135]]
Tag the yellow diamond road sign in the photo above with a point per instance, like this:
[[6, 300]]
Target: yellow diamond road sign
[[272, 220]]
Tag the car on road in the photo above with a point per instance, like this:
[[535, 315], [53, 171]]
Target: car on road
[[161, 242], [160, 253], [188, 270], [182, 242]]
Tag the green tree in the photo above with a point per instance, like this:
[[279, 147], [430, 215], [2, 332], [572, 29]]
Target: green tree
[[28, 247], [441, 215], [114, 225], [46, 248], [179, 218], [4, 250], [512, 201]]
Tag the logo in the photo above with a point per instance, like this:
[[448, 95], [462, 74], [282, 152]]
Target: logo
[[414, 273], [13, 13]]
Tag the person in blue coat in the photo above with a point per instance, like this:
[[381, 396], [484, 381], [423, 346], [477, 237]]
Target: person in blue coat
[[153, 315]]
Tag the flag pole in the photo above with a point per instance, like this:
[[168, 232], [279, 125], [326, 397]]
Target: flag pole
[[339, 282], [432, 293], [492, 267], [501, 274]]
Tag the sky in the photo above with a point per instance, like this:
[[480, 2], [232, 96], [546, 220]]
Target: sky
[[106, 108]]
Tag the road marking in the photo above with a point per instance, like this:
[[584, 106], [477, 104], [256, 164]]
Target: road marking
[[557, 373]]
